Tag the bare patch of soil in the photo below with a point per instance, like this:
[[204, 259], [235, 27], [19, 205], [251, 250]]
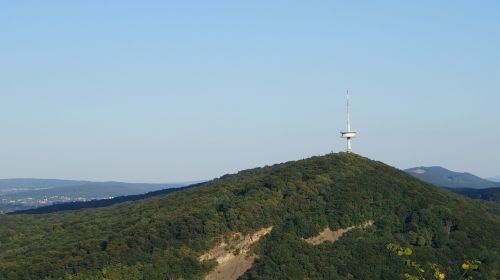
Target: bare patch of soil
[[233, 257], [332, 236]]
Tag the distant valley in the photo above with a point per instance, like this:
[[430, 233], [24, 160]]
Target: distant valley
[[21, 194]]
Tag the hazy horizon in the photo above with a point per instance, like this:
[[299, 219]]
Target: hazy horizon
[[493, 179], [175, 92]]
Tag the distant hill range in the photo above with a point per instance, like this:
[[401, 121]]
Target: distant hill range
[[443, 177], [77, 205], [21, 194], [9, 186]]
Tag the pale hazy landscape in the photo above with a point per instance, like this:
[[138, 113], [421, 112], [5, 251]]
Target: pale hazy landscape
[[249, 140]]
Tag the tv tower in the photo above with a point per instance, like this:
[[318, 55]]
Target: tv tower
[[348, 134]]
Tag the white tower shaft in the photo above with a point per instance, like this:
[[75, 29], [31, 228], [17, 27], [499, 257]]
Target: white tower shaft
[[349, 145], [349, 134]]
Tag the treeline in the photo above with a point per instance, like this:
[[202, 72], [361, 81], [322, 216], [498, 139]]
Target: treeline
[[490, 194]]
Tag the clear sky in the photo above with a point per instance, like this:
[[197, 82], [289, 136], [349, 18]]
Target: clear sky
[[162, 91]]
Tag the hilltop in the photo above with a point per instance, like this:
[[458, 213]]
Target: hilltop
[[443, 177], [267, 215]]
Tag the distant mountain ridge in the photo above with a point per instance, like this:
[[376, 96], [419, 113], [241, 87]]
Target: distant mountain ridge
[[16, 185], [87, 189], [443, 177], [34, 182]]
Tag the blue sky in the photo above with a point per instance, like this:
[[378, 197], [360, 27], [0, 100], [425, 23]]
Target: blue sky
[[161, 91]]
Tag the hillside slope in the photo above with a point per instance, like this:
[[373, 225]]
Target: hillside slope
[[164, 237], [443, 177]]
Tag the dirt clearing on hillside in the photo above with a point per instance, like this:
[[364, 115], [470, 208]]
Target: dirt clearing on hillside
[[233, 257], [332, 236]]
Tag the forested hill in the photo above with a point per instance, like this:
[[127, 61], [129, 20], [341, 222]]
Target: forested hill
[[417, 227]]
